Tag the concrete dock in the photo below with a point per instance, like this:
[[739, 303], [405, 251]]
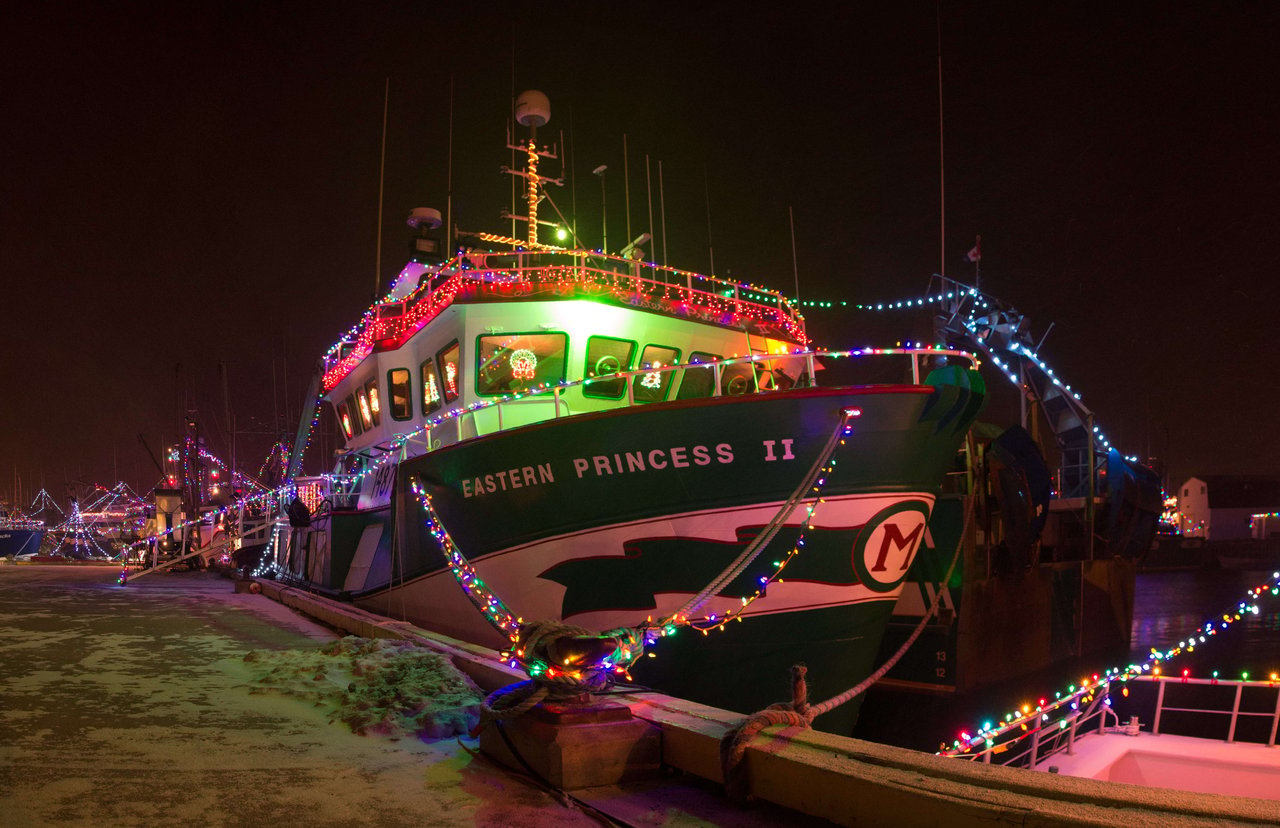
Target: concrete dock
[[134, 706]]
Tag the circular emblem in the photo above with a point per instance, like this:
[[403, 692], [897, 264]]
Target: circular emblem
[[887, 544]]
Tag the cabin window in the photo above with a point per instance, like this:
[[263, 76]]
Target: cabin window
[[375, 404], [653, 387], [362, 405], [605, 356], [399, 391], [698, 382], [430, 388], [507, 363], [344, 419], [450, 371], [737, 379], [353, 408]]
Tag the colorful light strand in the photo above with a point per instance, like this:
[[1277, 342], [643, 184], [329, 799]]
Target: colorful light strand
[[1041, 715]]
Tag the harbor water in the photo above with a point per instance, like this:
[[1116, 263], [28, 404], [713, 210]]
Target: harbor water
[[1168, 608]]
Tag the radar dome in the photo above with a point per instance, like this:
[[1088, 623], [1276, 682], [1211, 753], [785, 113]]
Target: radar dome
[[533, 109], [425, 217]]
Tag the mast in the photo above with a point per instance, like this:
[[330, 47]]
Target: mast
[[532, 110]]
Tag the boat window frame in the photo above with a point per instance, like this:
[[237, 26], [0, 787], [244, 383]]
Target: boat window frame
[[620, 382], [361, 396], [375, 400], [408, 393], [545, 383], [441, 362], [427, 368], [698, 361], [638, 391], [356, 428], [343, 412]]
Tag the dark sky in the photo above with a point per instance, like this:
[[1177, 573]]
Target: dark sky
[[187, 186]]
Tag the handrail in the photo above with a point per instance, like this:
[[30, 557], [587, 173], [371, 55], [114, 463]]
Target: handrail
[[1047, 736], [454, 417]]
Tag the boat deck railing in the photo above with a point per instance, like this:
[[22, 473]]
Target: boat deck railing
[[755, 374], [563, 274], [1028, 739]]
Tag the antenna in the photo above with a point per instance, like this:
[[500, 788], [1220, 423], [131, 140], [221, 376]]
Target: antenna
[[448, 201], [662, 208], [942, 167], [648, 186], [794, 267], [604, 206], [382, 177], [711, 248], [626, 182]]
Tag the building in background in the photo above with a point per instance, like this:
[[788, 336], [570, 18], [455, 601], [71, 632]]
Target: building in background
[[1226, 507]]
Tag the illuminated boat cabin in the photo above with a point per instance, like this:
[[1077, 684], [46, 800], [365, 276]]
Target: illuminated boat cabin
[[551, 334]]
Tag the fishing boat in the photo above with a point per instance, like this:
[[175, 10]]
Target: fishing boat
[[568, 434], [19, 535]]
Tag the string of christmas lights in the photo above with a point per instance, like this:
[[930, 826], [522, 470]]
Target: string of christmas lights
[[972, 323], [631, 642], [1024, 719], [390, 322]]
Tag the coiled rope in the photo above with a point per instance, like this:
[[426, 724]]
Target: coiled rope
[[552, 643]]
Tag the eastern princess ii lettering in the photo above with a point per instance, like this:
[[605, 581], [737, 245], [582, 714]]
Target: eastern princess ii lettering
[[676, 457], [506, 479]]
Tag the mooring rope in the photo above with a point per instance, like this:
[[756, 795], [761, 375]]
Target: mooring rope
[[534, 644], [798, 712], [753, 549]]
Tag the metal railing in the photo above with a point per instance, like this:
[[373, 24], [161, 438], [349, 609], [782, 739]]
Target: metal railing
[[1028, 739], [466, 423], [1234, 714]]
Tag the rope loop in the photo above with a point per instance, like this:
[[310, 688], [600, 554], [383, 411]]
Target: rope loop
[[564, 662]]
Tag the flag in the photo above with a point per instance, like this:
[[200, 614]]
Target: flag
[[975, 255]]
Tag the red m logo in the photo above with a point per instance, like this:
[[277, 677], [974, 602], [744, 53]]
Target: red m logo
[[893, 535]]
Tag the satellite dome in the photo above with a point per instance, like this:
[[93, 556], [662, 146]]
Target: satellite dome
[[424, 217], [533, 109]]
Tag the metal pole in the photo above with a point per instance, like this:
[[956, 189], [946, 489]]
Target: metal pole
[[1235, 714], [1155, 726]]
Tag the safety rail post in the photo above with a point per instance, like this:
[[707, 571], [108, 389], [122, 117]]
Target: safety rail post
[[1275, 720], [1235, 713], [1035, 749], [1155, 725], [1071, 735]]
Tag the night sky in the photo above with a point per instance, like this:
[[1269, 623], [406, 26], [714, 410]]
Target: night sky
[[188, 187]]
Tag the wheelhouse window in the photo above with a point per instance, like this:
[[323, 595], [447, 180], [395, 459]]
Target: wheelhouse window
[[653, 386], [343, 411], [698, 382], [375, 404], [606, 356], [430, 388], [362, 405], [399, 393], [354, 415], [506, 363], [450, 371], [737, 379]]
